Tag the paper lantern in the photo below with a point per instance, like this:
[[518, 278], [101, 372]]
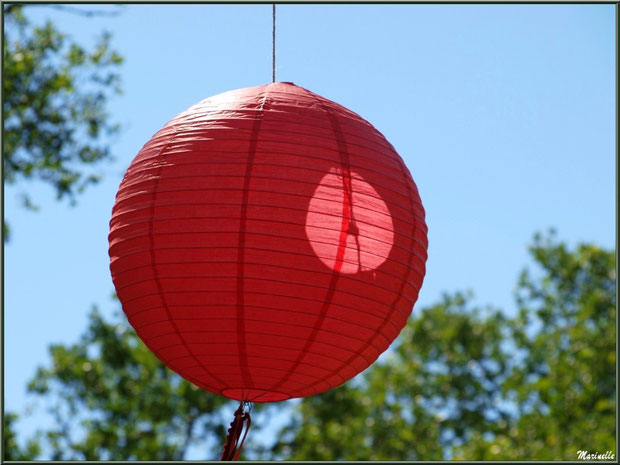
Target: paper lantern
[[267, 243]]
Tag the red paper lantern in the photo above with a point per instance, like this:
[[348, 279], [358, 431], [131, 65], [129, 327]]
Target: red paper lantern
[[267, 243]]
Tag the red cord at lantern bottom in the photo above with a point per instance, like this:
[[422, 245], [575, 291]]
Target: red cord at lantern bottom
[[232, 448]]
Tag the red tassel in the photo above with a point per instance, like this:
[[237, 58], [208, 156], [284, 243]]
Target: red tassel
[[232, 448]]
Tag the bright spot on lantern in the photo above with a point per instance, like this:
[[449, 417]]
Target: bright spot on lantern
[[369, 231], [267, 243]]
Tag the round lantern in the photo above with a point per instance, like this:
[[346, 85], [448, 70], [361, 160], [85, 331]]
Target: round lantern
[[267, 243]]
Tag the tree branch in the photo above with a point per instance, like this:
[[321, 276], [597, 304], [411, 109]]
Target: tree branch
[[86, 13]]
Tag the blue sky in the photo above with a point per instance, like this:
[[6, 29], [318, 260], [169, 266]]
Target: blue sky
[[504, 114]]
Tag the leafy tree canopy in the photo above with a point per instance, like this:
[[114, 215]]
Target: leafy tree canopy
[[55, 92], [131, 405], [11, 449], [565, 383]]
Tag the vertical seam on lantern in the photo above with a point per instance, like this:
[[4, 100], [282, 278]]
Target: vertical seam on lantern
[[392, 308], [162, 155], [347, 218], [241, 342]]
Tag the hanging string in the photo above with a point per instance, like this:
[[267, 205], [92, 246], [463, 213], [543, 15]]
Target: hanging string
[[273, 50], [232, 447]]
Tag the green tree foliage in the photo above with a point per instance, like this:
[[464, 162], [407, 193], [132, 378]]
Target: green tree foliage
[[10, 447], [565, 384], [469, 383], [130, 405], [55, 92]]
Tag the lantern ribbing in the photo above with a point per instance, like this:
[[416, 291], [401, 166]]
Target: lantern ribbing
[[268, 243]]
